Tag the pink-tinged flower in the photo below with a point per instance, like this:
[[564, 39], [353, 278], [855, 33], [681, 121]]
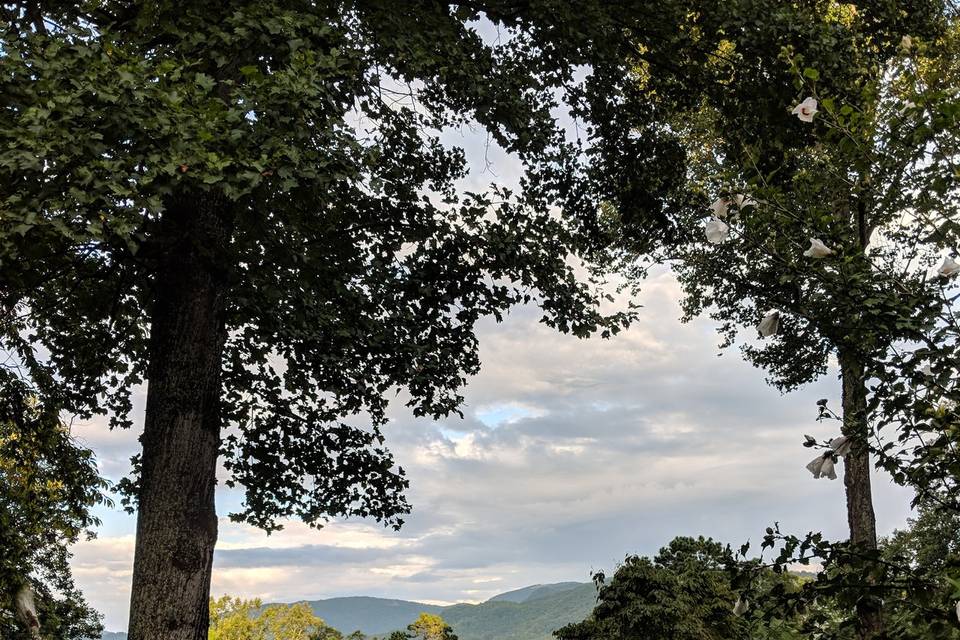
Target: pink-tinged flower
[[949, 268], [958, 611], [817, 249], [823, 466], [770, 324], [841, 446], [717, 231], [742, 605], [806, 109], [719, 207]]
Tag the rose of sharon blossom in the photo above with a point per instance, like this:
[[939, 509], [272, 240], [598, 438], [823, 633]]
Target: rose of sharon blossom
[[770, 324], [949, 268], [817, 249], [823, 466], [743, 201], [806, 109], [741, 606], [841, 446], [719, 207], [717, 231]]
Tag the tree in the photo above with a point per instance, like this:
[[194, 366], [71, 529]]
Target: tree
[[930, 542], [927, 555], [682, 593], [48, 484], [813, 238], [430, 626], [236, 619], [248, 205], [915, 575]]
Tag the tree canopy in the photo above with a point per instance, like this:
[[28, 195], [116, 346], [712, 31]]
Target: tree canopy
[[818, 198], [683, 593], [255, 207], [48, 486], [430, 626], [251, 206], [353, 266], [237, 619]]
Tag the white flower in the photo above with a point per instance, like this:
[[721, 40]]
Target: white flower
[[927, 370], [906, 42], [806, 109], [770, 324], [743, 201], [717, 231], [958, 610], [743, 604], [719, 207], [949, 268], [823, 467], [817, 249], [841, 446]]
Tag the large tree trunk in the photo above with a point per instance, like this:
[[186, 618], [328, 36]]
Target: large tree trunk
[[856, 479], [177, 521]]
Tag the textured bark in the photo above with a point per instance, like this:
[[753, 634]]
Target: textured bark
[[856, 479], [177, 522], [26, 610]]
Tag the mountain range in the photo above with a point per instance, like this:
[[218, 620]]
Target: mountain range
[[530, 613]]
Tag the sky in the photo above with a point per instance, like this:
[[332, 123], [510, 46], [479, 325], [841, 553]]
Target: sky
[[571, 455]]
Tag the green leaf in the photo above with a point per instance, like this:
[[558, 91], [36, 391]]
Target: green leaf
[[204, 81]]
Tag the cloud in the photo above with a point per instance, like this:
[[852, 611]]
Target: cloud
[[572, 454]]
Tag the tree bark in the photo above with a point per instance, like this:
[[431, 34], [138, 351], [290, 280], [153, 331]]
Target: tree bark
[[856, 479], [177, 521]]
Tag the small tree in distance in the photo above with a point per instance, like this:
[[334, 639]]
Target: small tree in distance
[[237, 619], [429, 626]]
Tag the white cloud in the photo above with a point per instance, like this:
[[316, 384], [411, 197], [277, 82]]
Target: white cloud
[[572, 453]]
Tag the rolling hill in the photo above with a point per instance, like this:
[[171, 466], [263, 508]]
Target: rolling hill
[[531, 613], [535, 592], [534, 618], [373, 616]]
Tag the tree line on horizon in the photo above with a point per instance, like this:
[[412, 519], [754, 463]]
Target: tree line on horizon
[[186, 199], [238, 619]]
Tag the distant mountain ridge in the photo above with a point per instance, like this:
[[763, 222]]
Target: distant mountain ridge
[[535, 592], [372, 616], [530, 613], [545, 609]]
